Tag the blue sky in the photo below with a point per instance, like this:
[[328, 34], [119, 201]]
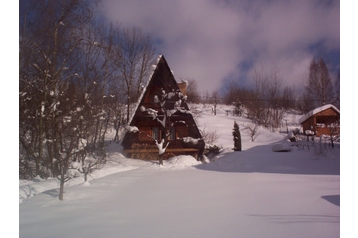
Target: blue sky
[[216, 40]]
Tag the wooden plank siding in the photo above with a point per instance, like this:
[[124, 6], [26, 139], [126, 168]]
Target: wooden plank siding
[[322, 123], [140, 145]]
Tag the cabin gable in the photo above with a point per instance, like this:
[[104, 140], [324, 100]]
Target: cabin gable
[[141, 145], [322, 121]]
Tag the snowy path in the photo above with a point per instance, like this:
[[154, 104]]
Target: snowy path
[[155, 202]]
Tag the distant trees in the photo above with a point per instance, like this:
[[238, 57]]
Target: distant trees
[[238, 96], [289, 98], [133, 54], [318, 88], [267, 110], [266, 101], [192, 90], [69, 64], [337, 90], [214, 100]]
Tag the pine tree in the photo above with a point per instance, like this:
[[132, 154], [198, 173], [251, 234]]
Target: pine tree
[[237, 137]]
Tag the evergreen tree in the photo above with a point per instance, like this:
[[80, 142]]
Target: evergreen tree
[[237, 137]]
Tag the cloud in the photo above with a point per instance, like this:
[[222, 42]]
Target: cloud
[[208, 40]]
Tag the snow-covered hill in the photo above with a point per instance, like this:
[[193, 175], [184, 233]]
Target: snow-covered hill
[[252, 193]]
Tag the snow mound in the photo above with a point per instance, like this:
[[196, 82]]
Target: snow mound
[[282, 146], [181, 162], [30, 188]]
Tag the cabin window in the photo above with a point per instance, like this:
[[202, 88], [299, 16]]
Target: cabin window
[[155, 133], [172, 133]]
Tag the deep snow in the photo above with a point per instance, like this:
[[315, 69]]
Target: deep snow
[[252, 193]]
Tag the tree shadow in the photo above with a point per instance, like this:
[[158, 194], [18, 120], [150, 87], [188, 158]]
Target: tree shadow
[[27, 193], [53, 193], [298, 218], [334, 199]]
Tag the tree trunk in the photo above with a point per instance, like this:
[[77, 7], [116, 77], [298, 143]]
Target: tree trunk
[[106, 125], [39, 147], [85, 176], [117, 125], [128, 109], [160, 158], [62, 184]]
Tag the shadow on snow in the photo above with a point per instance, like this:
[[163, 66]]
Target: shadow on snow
[[334, 199], [262, 159]]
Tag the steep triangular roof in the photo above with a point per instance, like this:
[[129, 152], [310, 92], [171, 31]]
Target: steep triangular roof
[[317, 110], [162, 82], [160, 71]]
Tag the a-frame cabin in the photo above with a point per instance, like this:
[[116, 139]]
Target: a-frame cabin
[[185, 137]]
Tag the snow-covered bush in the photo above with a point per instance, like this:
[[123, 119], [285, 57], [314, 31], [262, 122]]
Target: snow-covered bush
[[212, 149]]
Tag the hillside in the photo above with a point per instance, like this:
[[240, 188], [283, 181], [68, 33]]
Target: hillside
[[252, 193]]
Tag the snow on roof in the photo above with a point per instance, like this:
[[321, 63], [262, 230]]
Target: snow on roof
[[153, 67], [315, 111]]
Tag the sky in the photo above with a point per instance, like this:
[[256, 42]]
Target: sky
[[215, 41]]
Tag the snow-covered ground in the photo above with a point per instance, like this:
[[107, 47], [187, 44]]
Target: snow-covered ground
[[252, 193]]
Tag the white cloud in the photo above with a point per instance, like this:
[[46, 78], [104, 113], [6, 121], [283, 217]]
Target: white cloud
[[207, 40]]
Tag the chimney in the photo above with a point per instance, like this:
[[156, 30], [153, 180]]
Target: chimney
[[182, 87]]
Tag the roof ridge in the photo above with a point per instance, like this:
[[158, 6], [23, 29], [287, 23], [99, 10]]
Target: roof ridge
[[317, 110]]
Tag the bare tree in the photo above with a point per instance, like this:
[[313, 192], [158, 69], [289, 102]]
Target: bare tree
[[192, 90], [266, 107], [266, 101], [304, 103], [210, 136], [62, 69], [276, 109], [240, 97], [134, 55], [252, 130], [334, 132], [337, 90], [319, 88], [206, 97], [214, 100], [258, 105], [49, 43], [288, 100]]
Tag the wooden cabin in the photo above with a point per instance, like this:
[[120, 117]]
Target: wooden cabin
[[322, 121], [185, 137]]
